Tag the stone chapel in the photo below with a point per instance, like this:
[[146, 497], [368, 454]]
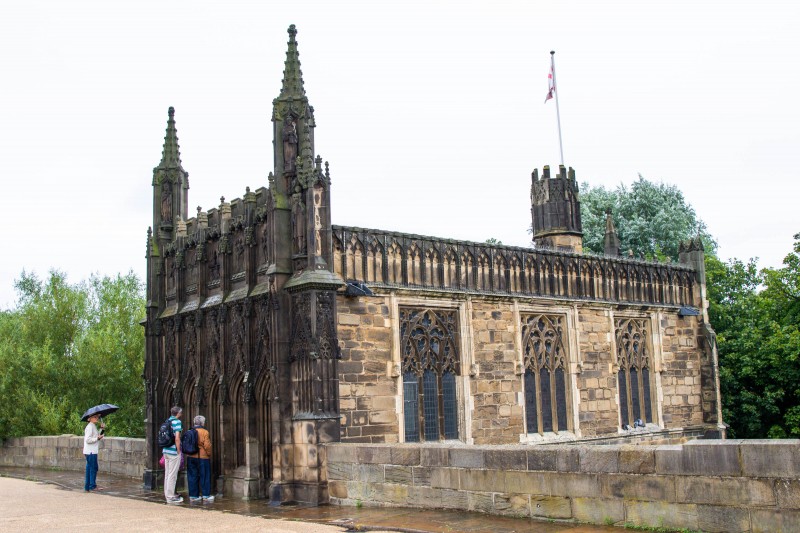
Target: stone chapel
[[288, 332]]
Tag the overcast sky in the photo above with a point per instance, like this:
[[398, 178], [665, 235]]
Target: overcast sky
[[430, 113]]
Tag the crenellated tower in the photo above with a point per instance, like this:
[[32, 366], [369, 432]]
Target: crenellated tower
[[556, 210]]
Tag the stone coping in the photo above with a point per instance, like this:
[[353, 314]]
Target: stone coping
[[734, 457]]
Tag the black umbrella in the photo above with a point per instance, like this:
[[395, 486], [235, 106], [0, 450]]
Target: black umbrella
[[103, 409]]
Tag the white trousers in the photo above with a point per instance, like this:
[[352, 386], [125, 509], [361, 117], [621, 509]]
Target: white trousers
[[172, 463]]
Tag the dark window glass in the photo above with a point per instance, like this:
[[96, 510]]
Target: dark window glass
[[547, 404], [450, 406], [561, 399], [623, 398], [430, 397], [648, 406], [530, 402], [635, 395], [411, 406]]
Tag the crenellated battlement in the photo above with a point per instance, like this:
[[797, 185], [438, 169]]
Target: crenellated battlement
[[392, 260], [556, 210]]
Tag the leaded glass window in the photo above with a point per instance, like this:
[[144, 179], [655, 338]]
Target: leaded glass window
[[429, 346], [633, 377], [545, 381]]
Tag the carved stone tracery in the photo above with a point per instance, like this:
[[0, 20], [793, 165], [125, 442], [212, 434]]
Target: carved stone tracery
[[429, 340]]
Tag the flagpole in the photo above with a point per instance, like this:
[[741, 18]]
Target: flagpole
[[558, 113]]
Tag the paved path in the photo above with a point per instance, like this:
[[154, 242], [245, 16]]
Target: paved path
[[53, 500], [31, 506]]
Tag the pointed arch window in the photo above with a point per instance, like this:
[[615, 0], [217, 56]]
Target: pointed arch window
[[429, 346], [546, 370], [634, 376]]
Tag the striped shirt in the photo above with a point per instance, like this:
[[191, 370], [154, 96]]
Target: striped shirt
[[176, 427]]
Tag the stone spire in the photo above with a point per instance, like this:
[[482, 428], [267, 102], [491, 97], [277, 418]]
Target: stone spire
[[171, 154], [611, 241], [292, 87], [170, 183]]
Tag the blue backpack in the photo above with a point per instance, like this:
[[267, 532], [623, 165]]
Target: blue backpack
[[189, 442]]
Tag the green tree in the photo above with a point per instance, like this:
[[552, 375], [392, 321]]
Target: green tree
[[651, 218], [64, 348], [756, 315]]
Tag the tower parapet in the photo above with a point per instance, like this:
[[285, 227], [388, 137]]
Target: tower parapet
[[556, 210]]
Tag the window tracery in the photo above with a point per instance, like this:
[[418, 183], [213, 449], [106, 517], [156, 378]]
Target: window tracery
[[545, 364], [633, 377], [430, 362]]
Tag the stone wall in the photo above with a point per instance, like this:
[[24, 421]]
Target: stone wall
[[681, 375], [701, 485], [367, 390], [497, 415], [118, 455], [596, 384], [492, 398]]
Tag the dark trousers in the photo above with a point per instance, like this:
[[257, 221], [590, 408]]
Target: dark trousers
[[90, 479], [198, 476]]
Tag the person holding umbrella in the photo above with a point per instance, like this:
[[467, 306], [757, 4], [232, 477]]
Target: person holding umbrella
[[91, 441], [91, 447]]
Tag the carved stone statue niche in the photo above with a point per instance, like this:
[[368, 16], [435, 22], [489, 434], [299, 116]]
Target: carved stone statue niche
[[298, 224], [166, 202], [289, 144]]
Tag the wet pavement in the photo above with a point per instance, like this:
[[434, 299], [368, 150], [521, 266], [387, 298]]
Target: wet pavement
[[348, 518]]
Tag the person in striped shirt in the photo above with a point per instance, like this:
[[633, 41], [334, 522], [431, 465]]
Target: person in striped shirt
[[172, 458]]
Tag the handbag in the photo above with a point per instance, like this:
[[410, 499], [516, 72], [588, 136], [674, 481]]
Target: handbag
[[183, 461]]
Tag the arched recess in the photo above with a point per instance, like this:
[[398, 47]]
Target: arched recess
[[432, 261], [515, 274], [266, 393], [598, 282], [355, 259], [467, 271], [484, 267], [501, 273], [212, 414], [338, 254], [414, 264], [532, 275], [190, 402], [394, 260], [235, 423], [375, 262], [449, 268]]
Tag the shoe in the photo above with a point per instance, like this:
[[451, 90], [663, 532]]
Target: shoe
[[195, 499], [175, 499], [208, 499]]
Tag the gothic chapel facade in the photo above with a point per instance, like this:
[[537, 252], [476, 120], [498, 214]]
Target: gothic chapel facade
[[250, 322]]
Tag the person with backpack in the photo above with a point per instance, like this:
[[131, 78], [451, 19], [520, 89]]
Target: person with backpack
[[196, 444], [171, 448]]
